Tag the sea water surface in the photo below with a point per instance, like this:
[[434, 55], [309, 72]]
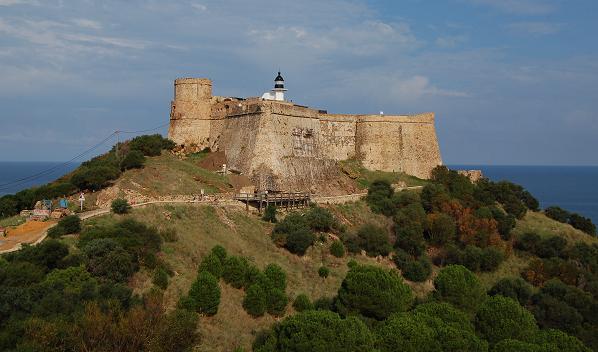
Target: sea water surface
[[35, 173], [574, 188]]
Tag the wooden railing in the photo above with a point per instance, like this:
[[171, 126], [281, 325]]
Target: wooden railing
[[287, 200]]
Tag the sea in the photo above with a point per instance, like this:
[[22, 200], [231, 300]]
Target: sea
[[574, 188]]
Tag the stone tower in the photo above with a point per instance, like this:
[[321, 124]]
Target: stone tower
[[190, 112]]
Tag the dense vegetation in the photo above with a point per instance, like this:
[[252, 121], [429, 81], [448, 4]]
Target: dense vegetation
[[92, 175], [60, 299]]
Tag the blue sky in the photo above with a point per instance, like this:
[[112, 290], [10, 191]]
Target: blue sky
[[511, 81]]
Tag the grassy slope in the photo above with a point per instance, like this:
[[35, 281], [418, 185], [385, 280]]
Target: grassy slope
[[199, 229], [365, 177], [168, 175]]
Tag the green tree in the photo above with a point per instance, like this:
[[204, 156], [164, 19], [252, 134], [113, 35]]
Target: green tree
[[515, 288], [433, 196], [501, 318], [133, 160], [70, 224], [379, 197], [417, 270], [105, 258], [234, 271], [406, 332], [211, 263], [255, 300], [511, 345], [323, 272], [374, 240], [337, 249], [276, 277], [447, 313], [320, 219], [374, 292], [220, 252], [561, 341], [302, 303], [317, 331], [120, 206], [558, 214], [460, 287], [277, 302], [270, 213], [441, 228], [205, 293]]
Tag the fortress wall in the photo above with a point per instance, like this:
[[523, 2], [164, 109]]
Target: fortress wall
[[190, 111], [337, 137], [398, 143]]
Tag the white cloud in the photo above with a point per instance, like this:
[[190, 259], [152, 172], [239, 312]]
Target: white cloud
[[520, 7], [535, 28], [450, 41], [87, 23], [17, 2], [199, 7]]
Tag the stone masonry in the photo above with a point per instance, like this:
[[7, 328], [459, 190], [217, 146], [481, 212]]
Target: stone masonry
[[284, 146]]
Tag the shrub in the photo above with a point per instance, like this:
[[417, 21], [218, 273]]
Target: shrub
[[276, 277], [501, 318], [234, 271], [582, 223], [433, 196], [133, 160], [515, 288], [160, 278], [374, 240], [56, 231], [302, 303], [178, 332], [277, 302], [441, 228], [405, 332], [409, 229], [324, 303], [460, 287], [528, 242], [320, 219], [211, 263], [94, 178], [323, 272], [297, 233], [70, 224], [374, 292], [299, 241], [317, 331], [417, 270], [472, 258], [553, 246], [120, 206], [447, 313], [379, 197], [491, 259], [220, 252], [558, 214], [255, 301], [150, 145], [205, 293], [270, 213], [105, 258], [337, 249]]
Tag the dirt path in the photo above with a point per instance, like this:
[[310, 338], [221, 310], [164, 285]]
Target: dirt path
[[31, 232]]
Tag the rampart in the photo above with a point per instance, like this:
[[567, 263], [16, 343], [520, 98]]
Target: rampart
[[283, 146]]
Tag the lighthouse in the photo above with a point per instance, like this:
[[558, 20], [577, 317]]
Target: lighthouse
[[278, 92]]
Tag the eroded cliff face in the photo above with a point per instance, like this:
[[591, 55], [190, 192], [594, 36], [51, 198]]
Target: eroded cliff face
[[286, 147]]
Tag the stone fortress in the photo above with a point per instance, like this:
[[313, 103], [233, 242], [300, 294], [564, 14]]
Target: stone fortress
[[283, 146]]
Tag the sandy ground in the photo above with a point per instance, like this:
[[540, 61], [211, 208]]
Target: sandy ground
[[28, 232]]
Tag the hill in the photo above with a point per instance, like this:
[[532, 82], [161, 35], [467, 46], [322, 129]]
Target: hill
[[451, 266]]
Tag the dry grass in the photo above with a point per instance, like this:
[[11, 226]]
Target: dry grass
[[355, 214], [365, 177], [545, 226], [201, 227], [511, 267], [166, 174], [12, 221]]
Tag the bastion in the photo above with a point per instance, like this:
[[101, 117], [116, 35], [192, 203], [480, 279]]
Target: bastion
[[283, 146]]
